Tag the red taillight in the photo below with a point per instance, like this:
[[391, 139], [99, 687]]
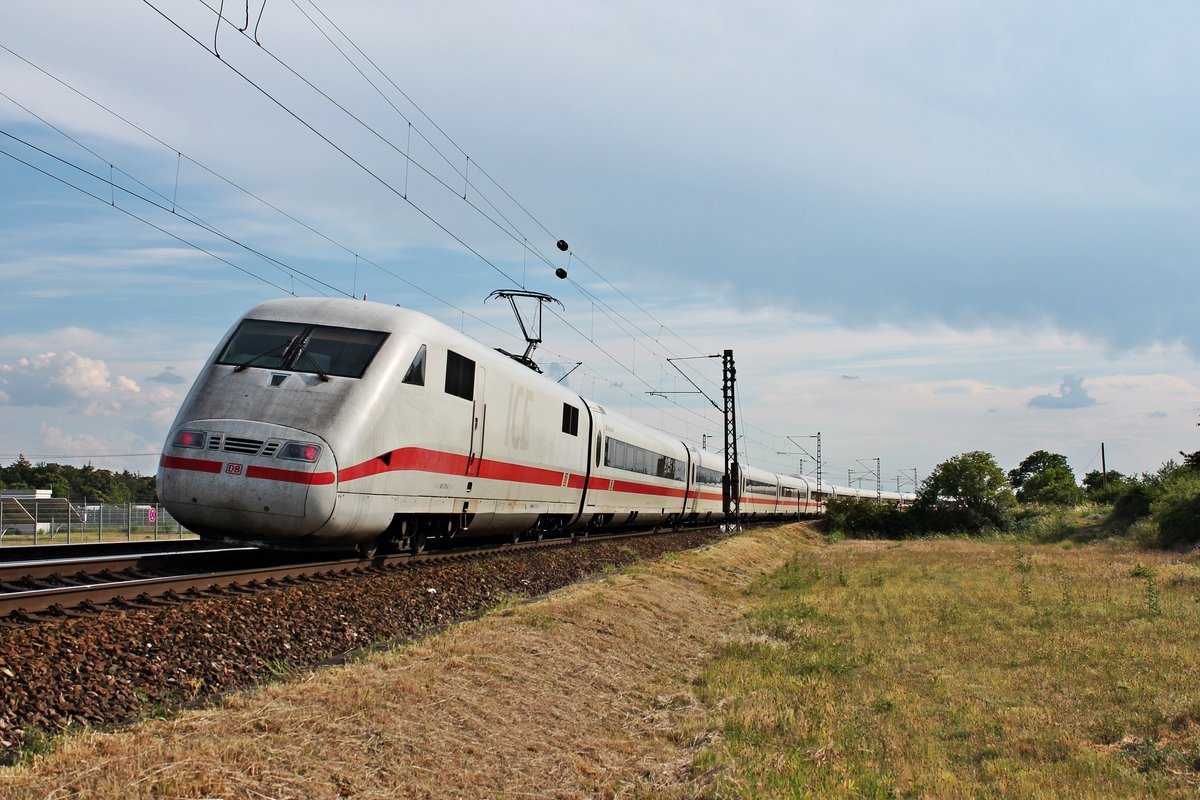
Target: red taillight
[[195, 439], [300, 451]]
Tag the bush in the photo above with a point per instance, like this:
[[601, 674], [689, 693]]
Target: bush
[[961, 519], [1177, 510], [1132, 504], [868, 519]]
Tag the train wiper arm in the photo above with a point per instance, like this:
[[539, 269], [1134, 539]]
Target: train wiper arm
[[283, 355], [316, 367]]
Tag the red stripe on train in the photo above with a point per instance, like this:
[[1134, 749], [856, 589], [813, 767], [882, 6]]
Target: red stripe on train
[[290, 476], [262, 473], [191, 464]]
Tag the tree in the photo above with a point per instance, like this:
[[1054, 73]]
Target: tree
[[1045, 477], [1034, 463], [1054, 485], [968, 492]]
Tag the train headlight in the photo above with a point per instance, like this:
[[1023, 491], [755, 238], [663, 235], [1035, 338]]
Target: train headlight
[[194, 439], [299, 451]]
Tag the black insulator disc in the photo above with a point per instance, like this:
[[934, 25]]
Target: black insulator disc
[[562, 245], [560, 272]]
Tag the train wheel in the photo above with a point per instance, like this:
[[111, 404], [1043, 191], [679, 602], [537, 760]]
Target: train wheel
[[418, 543], [367, 549]]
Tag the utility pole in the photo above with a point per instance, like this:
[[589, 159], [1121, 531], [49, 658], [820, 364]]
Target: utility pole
[[731, 486], [1103, 467]]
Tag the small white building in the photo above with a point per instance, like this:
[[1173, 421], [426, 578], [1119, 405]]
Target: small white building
[[27, 510]]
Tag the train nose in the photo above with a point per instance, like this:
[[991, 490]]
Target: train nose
[[256, 479]]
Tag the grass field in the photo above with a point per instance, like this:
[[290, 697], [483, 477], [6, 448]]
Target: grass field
[[960, 669]]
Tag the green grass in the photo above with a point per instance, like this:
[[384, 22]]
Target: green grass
[[961, 669]]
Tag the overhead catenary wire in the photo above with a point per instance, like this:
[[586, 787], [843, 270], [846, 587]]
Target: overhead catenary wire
[[219, 176], [159, 228], [378, 178], [462, 173], [113, 187], [512, 233], [384, 139]]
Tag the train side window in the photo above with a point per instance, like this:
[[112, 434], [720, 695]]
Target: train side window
[[416, 370], [570, 419], [599, 453], [460, 376]]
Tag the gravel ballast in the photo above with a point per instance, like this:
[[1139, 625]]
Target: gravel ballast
[[118, 667]]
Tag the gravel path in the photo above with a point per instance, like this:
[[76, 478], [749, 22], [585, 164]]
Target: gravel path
[[116, 668]]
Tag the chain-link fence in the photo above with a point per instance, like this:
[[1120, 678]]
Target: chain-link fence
[[57, 521]]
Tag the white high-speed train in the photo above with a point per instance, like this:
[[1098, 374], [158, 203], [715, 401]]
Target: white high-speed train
[[327, 423]]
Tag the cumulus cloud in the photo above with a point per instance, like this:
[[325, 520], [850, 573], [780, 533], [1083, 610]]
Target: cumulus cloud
[[1071, 394], [70, 380]]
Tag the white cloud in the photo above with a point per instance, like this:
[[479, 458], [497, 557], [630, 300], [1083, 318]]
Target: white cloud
[[78, 384]]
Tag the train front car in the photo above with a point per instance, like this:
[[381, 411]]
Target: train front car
[[255, 450], [322, 423]]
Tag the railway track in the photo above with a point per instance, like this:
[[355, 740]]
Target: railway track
[[42, 590]]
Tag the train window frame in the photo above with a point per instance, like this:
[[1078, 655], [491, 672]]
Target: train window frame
[[352, 350], [632, 458], [415, 376], [570, 419], [761, 487], [460, 375]]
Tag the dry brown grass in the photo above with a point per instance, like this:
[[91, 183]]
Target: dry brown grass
[[575, 695], [950, 669]]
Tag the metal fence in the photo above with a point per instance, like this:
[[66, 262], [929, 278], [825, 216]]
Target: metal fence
[[35, 522]]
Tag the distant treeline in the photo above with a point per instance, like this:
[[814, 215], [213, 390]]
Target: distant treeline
[[78, 483], [969, 494]]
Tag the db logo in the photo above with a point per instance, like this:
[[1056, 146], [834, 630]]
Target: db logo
[[233, 469]]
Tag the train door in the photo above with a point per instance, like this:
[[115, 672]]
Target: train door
[[478, 422]]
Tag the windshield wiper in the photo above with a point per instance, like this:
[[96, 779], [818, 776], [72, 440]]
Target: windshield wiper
[[283, 356], [317, 367]]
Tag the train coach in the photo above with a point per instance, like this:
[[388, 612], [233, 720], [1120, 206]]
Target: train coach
[[330, 423]]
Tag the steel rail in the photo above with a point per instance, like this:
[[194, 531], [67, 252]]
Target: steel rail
[[20, 606], [16, 571], [45, 552]]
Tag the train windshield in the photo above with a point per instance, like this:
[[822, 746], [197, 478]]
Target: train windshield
[[321, 349]]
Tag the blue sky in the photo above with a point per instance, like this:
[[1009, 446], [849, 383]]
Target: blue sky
[[924, 228]]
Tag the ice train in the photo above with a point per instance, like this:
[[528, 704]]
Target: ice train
[[331, 423]]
